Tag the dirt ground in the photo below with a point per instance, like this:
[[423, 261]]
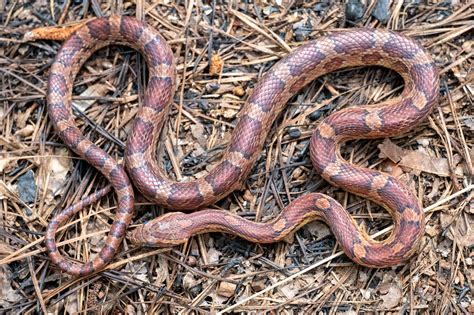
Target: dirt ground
[[221, 50]]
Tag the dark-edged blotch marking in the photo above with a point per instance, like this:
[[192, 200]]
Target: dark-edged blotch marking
[[72, 137], [86, 268], [64, 265], [344, 43], [68, 53], [58, 112], [427, 81], [246, 145], [131, 29], [313, 57], [223, 177], [99, 29], [184, 195], [156, 54], [107, 253], [139, 144], [400, 48], [57, 84], [161, 86], [118, 229], [372, 58], [96, 156], [267, 92], [333, 64], [118, 178], [51, 245]]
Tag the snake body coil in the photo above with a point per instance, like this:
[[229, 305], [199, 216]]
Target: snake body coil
[[358, 47]]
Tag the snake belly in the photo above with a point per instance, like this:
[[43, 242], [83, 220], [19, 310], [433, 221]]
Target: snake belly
[[348, 48]]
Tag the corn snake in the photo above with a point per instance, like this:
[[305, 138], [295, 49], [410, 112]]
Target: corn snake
[[351, 48]]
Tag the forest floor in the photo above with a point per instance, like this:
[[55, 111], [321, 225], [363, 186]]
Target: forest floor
[[221, 50]]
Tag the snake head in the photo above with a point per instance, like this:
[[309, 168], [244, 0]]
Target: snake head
[[165, 231]]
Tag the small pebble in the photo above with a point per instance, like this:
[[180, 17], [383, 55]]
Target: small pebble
[[294, 133], [382, 11], [354, 10], [320, 6], [26, 187], [315, 115], [192, 261], [212, 87], [204, 105]]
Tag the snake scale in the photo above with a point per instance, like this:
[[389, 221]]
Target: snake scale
[[342, 49]]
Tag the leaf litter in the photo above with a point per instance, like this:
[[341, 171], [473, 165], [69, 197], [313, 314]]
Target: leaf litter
[[222, 50]]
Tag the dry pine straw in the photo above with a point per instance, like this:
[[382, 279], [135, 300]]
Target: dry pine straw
[[213, 273]]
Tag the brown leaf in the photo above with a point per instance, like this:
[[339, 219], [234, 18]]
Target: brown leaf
[[9, 295], [197, 130], [318, 229], [459, 229], [393, 297], [96, 90], [7, 164], [56, 171], [422, 162], [415, 160], [26, 131], [390, 150]]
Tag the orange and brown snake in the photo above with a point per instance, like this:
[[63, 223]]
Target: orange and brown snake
[[349, 48]]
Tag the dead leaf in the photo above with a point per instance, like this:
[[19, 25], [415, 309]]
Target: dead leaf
[[197, 130], [388, 166], [390, 150], [56, 171], [415, 160], [290, 290], [425, 163], [161, 271], [318, 229], [7, 164], [71, 305], [22, 117], [213, 255], [9, 295], [96, 90], [189, 281], [393, 296], [459, 229], [26, 131]]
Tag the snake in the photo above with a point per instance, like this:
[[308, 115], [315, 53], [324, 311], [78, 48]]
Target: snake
[[347, 48]]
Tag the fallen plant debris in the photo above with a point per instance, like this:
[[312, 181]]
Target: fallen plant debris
[[221, 50]]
